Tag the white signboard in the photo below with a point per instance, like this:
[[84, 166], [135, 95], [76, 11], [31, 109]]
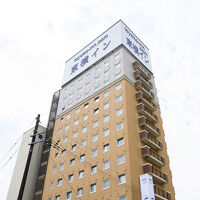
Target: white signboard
[[146, 187], [118, 34]]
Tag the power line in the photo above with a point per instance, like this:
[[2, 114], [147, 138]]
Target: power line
[[10, 158], [15, 143]]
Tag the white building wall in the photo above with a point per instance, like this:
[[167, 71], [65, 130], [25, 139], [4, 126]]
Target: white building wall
[[20, 166], [117, 64]]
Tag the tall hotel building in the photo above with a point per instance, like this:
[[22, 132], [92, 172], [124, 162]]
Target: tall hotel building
[[105, 127]]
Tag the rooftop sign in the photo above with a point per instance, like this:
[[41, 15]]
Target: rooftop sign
[[118, 34]]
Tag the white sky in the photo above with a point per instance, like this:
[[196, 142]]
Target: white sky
[[37, 37]]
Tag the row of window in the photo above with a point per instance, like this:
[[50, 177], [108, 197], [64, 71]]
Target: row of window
[[106, 132], [85, 117], [106, 94], [106, 164], [80, 193], [96, 85], [105, 185], [120, 142], [98, 69]]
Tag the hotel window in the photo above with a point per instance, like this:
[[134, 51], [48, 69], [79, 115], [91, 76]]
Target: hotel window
[[87, 85], [94, 169], [86, 105], [61, 166], [59, 183], [121, 179], [118, 99], [119, 112], [56, 156], [70, 178], [83, 143], [106, 184], [95, 138], [119, 126], [118, 87], [117, 66], [63, 152], [106, 73], [82, 157], [85, 117], [97, 78], [96, 111], [61, 120], [51, 185], [106, 63], [67, 127], [75, 134], [65, 139], [96, 100], [106, 118], [79, 192], [76, 122], [77, 111], [84, 129], [79, 91], [73, 147], [54, 170], [80, 81], [71, 87], [120, 159], [106, 164], [98, 69], [122, 197], [105, 148], [106, 132], [58, 143], [94, 152], [120, 142], [95, 124], [81, 174], [69, 195], [68, 116], [117, 56], [60, 131], [93, 188], [106, 94], [57, 197], [71, 96], [106, 106], [72, 162]]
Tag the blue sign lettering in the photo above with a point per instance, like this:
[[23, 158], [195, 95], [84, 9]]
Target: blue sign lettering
[[74, 68], [84, 61]]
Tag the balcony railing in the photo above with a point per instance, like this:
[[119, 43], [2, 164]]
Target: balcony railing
[[147, 139], [161, 194], [151, 156], [150, 105], [148, 114], [144, 72], [157, 175], [149, 127], [138, 75], [146, 92]]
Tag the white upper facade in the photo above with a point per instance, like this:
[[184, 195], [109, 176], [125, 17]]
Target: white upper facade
[[118, 34], [115, 66]]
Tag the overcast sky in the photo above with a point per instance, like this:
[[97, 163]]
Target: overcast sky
[[37, 37]]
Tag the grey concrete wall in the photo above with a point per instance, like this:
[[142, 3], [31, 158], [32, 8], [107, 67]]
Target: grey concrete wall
[[20, 166]]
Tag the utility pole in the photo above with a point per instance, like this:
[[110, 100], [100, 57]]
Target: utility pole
[[21, 191]]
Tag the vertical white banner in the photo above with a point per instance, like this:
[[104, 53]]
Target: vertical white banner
[[146, 187]]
